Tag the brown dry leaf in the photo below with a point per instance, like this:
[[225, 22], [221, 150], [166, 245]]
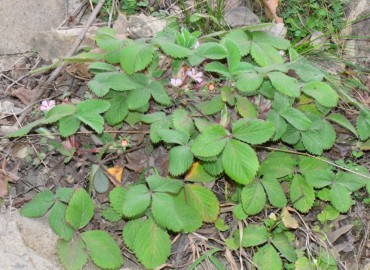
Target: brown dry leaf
[[272, 6], [116, 172], [136, 161], [334, 235], [80, 71], [24, 94], [288, 220]]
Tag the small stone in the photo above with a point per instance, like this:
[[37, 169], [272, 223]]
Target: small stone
[[143, 26], [121, 25], [241, 16], [318, 39]]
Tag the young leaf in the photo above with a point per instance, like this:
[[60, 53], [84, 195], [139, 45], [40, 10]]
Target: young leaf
[[342, 121], [136, 56], [117, 197], [274, 192], [253, 235], [180, 160], [159, 93], [265, 55], [322, 92], [130, 230], [253, 131], [161, 184], [80, 209], [297, 118], [183, 121], [284, 246], [103, 250], [118, 109], [111, 215], [210, 142], [240, 162], [58, 221], [88, 112], [277, 164], [203, 201], [248, 82], [253, 198], [284, 84], [174, 214], [363, 125], [152, 244], [72, 253], [340, 198], [137, 200], [267, 258], [302, 194], [39, 204], [327, 214], [173, 136]]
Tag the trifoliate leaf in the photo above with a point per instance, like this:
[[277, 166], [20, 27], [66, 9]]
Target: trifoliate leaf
[[88, 112], [363, 125], [173, 136], [210, 142], [180, 160], [130, 230], [253, 131], [118, 109], [152, 244], [80, 209], [161, 184], [253, 235], [265, 55], [340, 198], [327, 214], [297, 118], [72, 253], [277, 164], [240, 162], [39, 204], [342, 121], [58, 221], [322, 92], [183, 121], [203, 201], [197, 173], [249, 82], [253, 198], [136, 56], [267, 258], [312, 142], [103, 250], [116, 198], [284, 84], [274, 192], [245, 108], [110, 215], [284, 246], [137, 200], [302, 194]]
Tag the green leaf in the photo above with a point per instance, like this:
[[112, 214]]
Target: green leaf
[[275, 192], [210, 142], [322, 92], [111, 215], [220, 225], [159, 93], [217, 67], [212, 50], [39, 204], [58, 221], [297, 118], [312, 142], [249, 82], [69, 125], [27, 128], [267, 258], [59, 112], [342, 121], [118, 109], [72, 253], [241, 39], [284, 246], [153, 117], [303, 264], [306, 71], [198, 174], [323, 194], [173, 136], [137, 200], [278, 164], [240, 162], [64, 194], [233, 55], [117, 197], [280, 124], [271, 39], [80, 209], [214, 168], [106, 40], [352, 181], [327, 214], [265, 55], [118, 81], [253, 198], [302, 194], [130, 230], [340, 198], [180, 160], [174, 214], [245, 108], [284, 84], [99, 67], [253, 235], [163, 124], [239, 213], [253, 131], [291, 135], [88, 112], [212, 106], [363, 125], [161, 184], [136, 56], [203, 201], [327, 135], [152, 245], [183, 121], [103, 250], [101, 181], [228, 96], [172, 49]]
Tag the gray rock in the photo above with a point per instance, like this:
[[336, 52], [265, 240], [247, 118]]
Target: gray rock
[[240, 16], [143, 26], [121, 25]]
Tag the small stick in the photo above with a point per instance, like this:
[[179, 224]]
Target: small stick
[[40, 90]]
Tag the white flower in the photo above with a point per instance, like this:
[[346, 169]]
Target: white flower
[[47, 105], [194, 75], [196, 45], [176, 82]]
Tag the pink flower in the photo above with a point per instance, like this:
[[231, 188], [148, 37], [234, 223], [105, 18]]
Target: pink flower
[[194, 75], [196, 45], [47, 105], [176, 82]]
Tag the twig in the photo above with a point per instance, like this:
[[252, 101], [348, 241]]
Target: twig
[[111, 13], [74, 13], [40, 90]]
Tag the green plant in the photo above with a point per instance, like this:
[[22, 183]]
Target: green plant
[[264, 97]]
